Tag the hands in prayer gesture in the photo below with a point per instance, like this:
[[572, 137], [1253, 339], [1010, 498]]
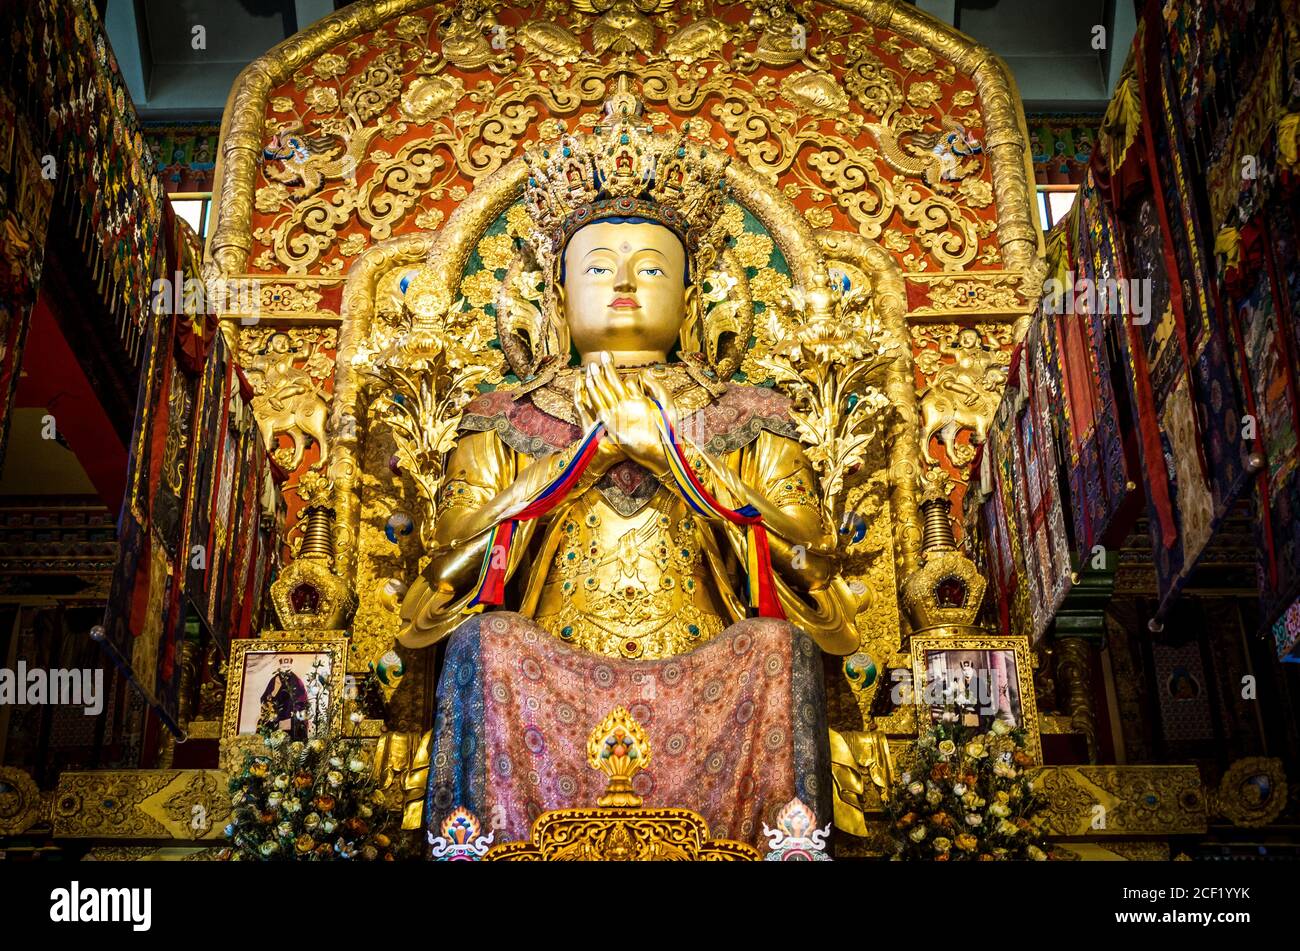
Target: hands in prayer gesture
[[626, 407]]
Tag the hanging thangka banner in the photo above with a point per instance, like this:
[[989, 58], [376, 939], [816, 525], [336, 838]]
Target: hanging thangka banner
[[1001, 529], [1215, 382], [1213, 49], [1280, 564], [85, 122], [1183, 387], [1260, 270], [192, 536], [1027, 539], [142, 588], [1081, 348], [25, 199]]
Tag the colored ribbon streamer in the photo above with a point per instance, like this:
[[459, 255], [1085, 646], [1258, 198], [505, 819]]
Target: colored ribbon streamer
[[762, 586], [490, 587]]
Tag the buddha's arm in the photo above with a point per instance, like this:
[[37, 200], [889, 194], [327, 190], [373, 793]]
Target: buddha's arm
[[777, 479], [481, 481], [774, 476], [484, 486]]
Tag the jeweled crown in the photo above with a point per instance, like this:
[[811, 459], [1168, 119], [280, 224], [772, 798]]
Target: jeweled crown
[[626, 169]]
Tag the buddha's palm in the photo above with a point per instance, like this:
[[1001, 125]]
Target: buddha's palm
[[630, 417]]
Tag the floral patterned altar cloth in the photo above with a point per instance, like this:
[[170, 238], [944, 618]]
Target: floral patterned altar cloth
[[737, 727]]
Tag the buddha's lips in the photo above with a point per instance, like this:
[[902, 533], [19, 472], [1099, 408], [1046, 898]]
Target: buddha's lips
[[624, 302]]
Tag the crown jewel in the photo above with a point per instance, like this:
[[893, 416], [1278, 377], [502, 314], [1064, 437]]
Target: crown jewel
[[625, 169]]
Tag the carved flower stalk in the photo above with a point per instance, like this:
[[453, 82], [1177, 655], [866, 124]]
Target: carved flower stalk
[[421, 383], [832, 363]]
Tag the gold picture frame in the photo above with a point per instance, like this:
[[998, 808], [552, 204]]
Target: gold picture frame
[[255, 661], [1003, 687]]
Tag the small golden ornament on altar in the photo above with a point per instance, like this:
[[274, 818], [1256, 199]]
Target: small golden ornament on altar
[[619, 748], [308, 595]]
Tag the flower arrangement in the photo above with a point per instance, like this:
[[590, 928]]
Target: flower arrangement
[[967, 797], [310, 800]]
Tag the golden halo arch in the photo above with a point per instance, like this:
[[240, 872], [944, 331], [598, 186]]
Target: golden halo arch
[[837, 165]]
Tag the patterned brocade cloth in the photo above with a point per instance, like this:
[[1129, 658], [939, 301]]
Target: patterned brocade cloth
[[737, 727]]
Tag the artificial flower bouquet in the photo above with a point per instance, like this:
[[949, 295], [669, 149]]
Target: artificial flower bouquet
[[967, 797]]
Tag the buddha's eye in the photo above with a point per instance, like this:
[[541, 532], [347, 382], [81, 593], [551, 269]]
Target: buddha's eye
[[597, 270], [652, 271]]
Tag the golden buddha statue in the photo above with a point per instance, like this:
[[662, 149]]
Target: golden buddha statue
[[628, 528]]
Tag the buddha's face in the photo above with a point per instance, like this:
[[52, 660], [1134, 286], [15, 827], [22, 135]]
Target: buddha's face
[[624, 288]]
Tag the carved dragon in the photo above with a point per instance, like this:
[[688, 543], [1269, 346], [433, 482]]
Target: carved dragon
[[938, 157], [303, 162]]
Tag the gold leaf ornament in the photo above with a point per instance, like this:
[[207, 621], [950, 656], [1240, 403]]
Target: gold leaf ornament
[[924, 94], [698, 40], [431, 97], [977, 192], [412, 28], [329, 66], [918, 59], [322, 98], [816, 93], [753, 250], [479, 288], [550, 41]]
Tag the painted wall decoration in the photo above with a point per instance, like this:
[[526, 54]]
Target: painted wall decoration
[[185, 155], [1062, 147]]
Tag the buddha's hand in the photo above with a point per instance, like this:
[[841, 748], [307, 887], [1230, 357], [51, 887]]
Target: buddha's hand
[[632, 421], [590, 412]]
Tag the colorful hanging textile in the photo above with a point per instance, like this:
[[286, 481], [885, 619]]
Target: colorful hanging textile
[[1027, 541], [1181, 376], [143, 588], [1087, 347], [1004, 547], [193, 541], [85, 122], [1199, 368], [25, 199]]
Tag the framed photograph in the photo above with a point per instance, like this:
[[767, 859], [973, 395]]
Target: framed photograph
[[979, 680], [290, 684]]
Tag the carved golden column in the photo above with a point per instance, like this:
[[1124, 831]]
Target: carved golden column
[[890, 296], [357, 311]]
